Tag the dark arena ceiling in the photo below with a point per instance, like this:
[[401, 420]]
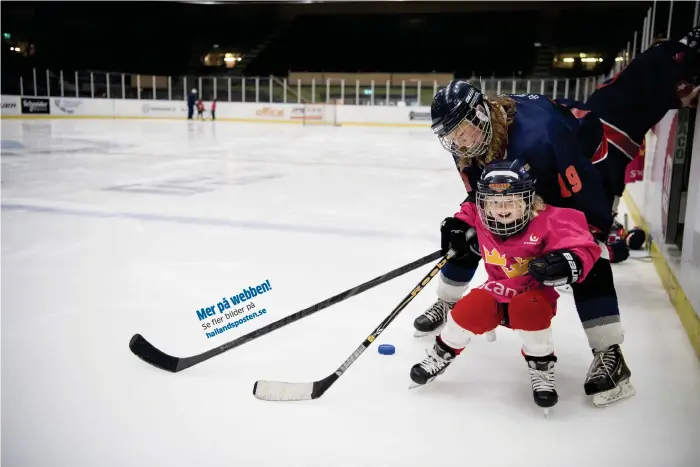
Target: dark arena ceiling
[[393, 36]]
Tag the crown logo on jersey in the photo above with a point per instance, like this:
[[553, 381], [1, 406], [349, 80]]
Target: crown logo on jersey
[[519, 268], [494, 257]]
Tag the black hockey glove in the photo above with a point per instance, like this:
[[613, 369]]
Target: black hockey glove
[[618, 251], [636, 238], [599, 235], [556, 269], [454, 234]]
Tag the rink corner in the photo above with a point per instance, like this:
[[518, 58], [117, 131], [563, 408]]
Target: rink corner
[[684, 309]]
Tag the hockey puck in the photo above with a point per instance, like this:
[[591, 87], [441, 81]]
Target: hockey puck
[[387, 349]]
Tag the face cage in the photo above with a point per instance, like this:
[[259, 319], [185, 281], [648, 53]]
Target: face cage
[[476, 150], [498, 228]]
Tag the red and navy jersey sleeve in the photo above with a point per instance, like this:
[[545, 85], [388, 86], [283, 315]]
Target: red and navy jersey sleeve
[[638, 97]]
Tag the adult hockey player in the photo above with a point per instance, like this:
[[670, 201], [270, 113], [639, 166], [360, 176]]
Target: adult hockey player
[[624, 108], [518, 233], [537, 131]]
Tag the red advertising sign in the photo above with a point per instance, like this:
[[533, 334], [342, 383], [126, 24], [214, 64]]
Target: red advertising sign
[[668, 171]]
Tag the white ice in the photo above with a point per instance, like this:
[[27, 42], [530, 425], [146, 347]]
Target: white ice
[[111, 228]]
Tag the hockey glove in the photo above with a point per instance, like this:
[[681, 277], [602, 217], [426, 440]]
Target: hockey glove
[[453, 234], [618, 251], [556, 269], [636, 238], [599, 235]]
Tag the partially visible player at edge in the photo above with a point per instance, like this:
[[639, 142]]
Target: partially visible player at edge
[[517, 234], [616, 117]]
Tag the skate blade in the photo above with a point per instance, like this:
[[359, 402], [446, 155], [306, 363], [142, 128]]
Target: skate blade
[[415, 385], [623, 391], [546, 412], [419, 334]]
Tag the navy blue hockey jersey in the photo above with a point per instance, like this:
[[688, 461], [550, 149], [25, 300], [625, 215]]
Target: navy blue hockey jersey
[[545, 136], [638, 97]]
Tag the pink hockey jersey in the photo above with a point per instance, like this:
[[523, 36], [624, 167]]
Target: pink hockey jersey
[[506, 260]]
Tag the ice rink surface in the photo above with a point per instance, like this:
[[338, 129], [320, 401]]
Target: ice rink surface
[[111, 228]]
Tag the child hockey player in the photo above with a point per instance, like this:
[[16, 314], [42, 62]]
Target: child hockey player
[[200, 109], [528, 249]]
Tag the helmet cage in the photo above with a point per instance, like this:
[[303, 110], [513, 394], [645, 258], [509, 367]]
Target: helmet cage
[[513, 194], [479, 118]]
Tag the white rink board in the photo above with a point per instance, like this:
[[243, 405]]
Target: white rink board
[[10, 105], [383, 115], [71, 106], [149, 108], [232, 111]]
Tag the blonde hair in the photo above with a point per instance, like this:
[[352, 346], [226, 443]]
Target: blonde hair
[[538, 205], [502, 113]]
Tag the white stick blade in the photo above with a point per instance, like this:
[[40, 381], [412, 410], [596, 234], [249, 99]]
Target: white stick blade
[[280, 391]]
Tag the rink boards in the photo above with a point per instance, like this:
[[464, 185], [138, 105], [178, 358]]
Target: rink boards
[[316, 113]]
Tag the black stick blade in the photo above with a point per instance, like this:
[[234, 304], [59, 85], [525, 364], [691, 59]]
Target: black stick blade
[[148, 353]]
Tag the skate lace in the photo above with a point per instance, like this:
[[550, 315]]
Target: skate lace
[[437, 312], [603, 364], [433, 363], [542, 380]]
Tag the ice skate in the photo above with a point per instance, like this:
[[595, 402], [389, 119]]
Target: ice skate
[[608, 378], [439, 358], [544, 390], [433, 320]]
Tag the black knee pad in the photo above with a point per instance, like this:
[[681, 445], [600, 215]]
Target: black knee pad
[[468, 261], [598, 283]]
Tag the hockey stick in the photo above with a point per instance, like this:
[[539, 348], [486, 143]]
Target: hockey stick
[[150, 354], [284, 391]]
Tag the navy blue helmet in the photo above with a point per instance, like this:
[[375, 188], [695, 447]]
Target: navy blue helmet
[[461, 119]]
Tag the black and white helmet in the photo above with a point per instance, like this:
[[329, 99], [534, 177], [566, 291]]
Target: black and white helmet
[[505, 195], [461, 119]]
